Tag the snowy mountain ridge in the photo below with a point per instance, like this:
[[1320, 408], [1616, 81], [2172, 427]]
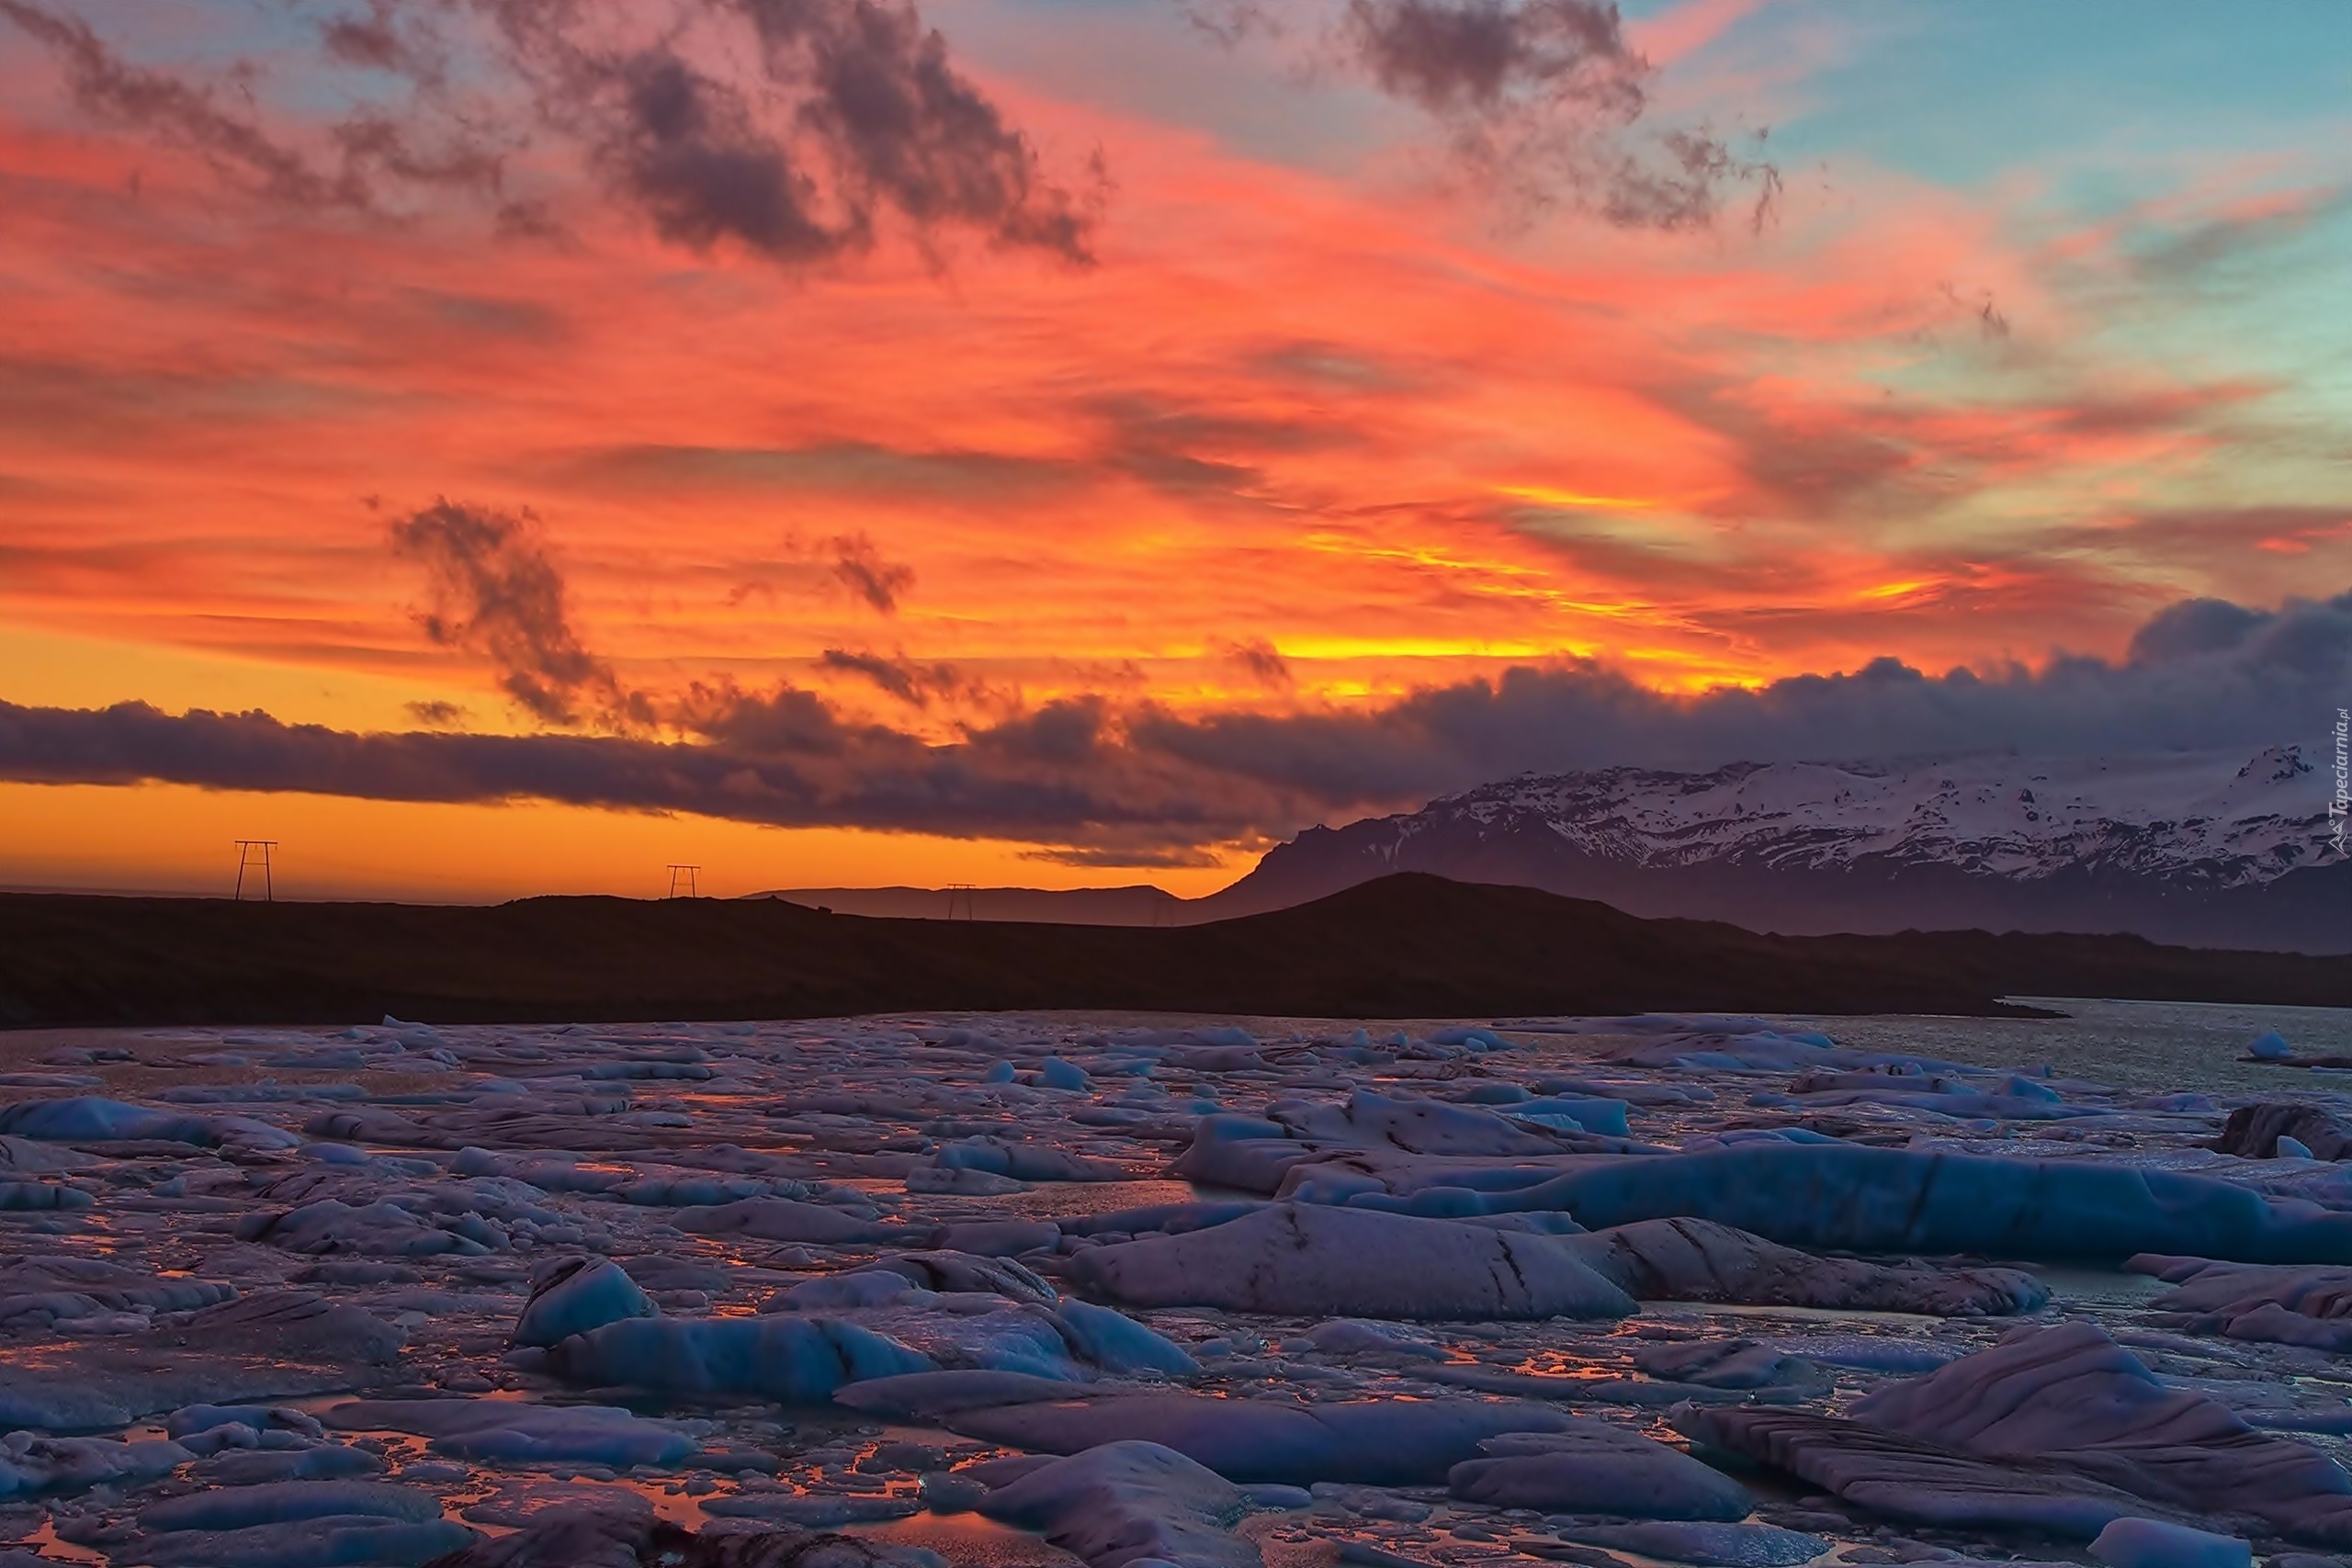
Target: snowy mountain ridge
[[2204, 848], [2190, 814]]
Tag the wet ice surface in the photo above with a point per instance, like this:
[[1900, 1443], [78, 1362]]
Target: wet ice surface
[[1042, 1290]]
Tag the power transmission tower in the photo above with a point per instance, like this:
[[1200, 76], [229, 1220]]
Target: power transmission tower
[[253, 854], [960, 896], [682, 881]]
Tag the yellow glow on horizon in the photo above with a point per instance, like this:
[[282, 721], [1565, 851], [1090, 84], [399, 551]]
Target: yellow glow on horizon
[[1576, 499], [1340, 645], [58, 669], [176, 839]]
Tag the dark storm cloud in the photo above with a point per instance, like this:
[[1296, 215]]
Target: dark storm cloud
[[1542, 98], [1067, 732], [2195, 627], [762, 768], [1083, 775], [495, 591], [685, 148], [832, 115], [1482, 57], [792, 129], [905, 129]]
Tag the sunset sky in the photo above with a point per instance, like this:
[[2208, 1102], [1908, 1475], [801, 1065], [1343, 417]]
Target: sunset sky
[[508, 446]]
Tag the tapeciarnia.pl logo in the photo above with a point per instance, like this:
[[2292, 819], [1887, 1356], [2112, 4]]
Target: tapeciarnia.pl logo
[[2339, 804]]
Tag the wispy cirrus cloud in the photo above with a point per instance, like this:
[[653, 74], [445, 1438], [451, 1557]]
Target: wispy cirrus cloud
[[860, 568]]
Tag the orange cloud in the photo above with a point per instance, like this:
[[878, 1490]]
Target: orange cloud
[[1308, 408]]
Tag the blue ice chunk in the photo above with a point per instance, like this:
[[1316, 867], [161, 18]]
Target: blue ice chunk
[[32, 1463], [999, 1072], [27, 1195], [334, 1541], [2270, 1047], [192, 1418], [88, 1118], [1338, 1186], [930, 1395], [1490, 1094], [254, 1467], [1375, 1442], [1735, 1137], [1059, 1073], [1118, 1343], [1434, 1203], [584, 1293], [1848, 1197], [785, 1357], [2151, 1543], [1596, 1468], [238, 1508], [1606, 1117], [1129, 1503]]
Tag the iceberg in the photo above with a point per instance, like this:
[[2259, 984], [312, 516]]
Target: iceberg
[[1594, 1468], [1375, 1442], [1128, 1502], [1697, 1260], [1306, 1260], [796, 1359], [579, 1295], [1854, 1198], [2066, 1402]]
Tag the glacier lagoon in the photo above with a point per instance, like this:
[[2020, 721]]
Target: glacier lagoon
[[1010, 1290]]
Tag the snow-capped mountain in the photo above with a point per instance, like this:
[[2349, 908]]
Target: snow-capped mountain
[[2217, 851]]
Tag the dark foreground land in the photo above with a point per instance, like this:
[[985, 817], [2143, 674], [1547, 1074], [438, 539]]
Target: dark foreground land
[[1404, 946]]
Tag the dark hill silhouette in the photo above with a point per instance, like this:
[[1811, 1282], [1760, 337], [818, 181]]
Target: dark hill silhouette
[[1402, 946]]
